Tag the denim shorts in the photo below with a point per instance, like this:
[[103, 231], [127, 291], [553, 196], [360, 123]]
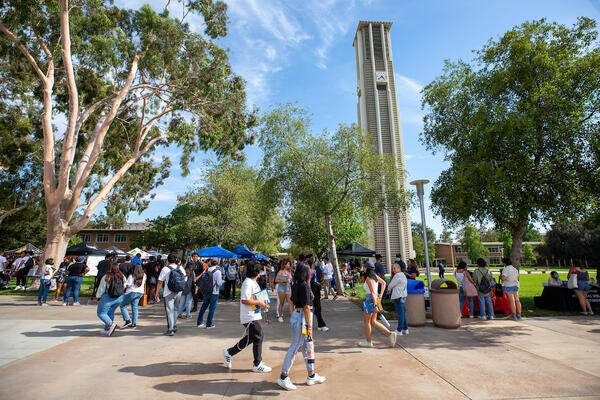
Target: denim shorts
[[510, 289], [583, 286], [281, 288]]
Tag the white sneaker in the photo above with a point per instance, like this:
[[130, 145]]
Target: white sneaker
[[323, 328], [286, 383], [262, 367], [315, 379], [364, 343], [111, 329], [405, 332], [202, 326], [227, 357], [491, 317], [280, 319], [483, 318], [398, 333], [393, 338]]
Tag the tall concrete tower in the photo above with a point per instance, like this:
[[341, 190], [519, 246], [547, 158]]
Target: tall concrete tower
[[378, 114]]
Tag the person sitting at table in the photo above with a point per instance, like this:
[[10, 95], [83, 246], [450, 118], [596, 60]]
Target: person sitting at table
[[554, 279]]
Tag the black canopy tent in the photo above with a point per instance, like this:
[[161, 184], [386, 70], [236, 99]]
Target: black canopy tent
[[84, 249], [357, 250]]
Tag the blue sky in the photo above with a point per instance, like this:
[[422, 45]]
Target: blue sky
[[301, 51]]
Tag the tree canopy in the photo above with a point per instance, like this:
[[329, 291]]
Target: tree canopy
[[107, 87], [519, 128]]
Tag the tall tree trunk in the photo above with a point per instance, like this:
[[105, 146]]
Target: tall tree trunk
[[339, 284], [517, 243]]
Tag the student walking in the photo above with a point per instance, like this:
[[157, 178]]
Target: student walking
[[371, 307], [397, 289], [110, 294], [211, 298], [250, 316], [134, 290], [301, 324], [171, 298]]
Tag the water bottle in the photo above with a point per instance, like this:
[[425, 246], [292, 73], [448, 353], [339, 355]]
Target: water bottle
[[310, 350]]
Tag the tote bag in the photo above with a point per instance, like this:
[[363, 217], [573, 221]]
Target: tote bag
[[468, 288], [572, 283]]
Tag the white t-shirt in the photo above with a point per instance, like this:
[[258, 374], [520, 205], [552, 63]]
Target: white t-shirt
[[328, 271], [164, 277], [132, 287], [17, 262], [2, 261], [46, 272], [512, 276], [247, 314]]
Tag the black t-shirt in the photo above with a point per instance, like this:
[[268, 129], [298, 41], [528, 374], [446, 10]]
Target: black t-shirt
[[150, 269], [102, 268], [126, 268], [76, 269], [301, 294]]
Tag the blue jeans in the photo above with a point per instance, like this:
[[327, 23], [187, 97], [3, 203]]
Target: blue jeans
[[209, 302], [298, 343], [73, 284], [461, 301], [482, 301], [44, 289], [132, 298], [186, 302], [401, 310], [106, 308]]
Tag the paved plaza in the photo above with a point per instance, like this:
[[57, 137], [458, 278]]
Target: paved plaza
[[58, 353]]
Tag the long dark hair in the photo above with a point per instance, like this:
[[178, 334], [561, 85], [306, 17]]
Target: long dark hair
[[302, 273], [113, 272], [138, 275], [370, 273]]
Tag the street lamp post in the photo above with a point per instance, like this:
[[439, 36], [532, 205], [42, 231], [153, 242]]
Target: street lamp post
[[420, 191]]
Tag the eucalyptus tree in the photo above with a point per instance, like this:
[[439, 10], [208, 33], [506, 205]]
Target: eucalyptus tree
[[111, 86], [518, 129], [321, 175]]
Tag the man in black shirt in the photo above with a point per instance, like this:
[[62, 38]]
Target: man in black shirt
[[102, 268], [75, 272], [196, 265]]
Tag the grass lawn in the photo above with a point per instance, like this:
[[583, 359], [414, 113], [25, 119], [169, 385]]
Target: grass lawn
[[531, 285], [85, 291]]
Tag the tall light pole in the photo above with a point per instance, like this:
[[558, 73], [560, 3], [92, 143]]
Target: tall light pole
[[420, 191]]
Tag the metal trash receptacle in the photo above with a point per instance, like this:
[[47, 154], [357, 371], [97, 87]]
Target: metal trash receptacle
[[415, 302], [445, 311]]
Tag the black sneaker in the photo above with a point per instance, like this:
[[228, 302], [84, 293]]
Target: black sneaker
[[133, 326], [127, 324]]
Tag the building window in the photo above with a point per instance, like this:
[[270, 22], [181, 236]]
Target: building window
[[120, 238], [102, 238], [495, 260], [458, 249], [86, 237], [494, 249]]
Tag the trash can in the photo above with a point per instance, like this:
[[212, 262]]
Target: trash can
[[415, 302], [444, 304]]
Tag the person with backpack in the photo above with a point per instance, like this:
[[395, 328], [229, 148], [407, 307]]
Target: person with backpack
[[25, 264], [134, 290], [231, 277], [187, 293], [110, 295], [209, 284], [484, 282], [172, 280]]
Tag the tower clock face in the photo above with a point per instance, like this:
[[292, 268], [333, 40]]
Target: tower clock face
[[381, 76]]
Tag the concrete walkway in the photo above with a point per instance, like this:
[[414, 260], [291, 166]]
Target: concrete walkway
[[58, 353]]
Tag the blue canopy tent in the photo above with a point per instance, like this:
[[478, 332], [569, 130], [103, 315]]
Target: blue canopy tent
[[243, 252], [217, 252]]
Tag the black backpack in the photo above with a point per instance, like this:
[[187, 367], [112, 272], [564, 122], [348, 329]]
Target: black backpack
[[484, 285], [176, 281], [116, 288], [205, 283]]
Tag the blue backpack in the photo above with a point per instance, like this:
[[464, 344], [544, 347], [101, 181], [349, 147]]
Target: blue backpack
[[176, 281]]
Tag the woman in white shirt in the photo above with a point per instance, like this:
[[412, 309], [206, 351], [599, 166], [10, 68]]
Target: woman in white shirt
[[371, 306], [510, 285], [397, 289], [134, 290], [45, 277]]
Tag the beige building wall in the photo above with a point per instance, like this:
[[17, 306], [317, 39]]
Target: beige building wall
[[378, 114]]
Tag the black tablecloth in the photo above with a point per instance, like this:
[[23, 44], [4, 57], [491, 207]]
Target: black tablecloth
[[564, 299]]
